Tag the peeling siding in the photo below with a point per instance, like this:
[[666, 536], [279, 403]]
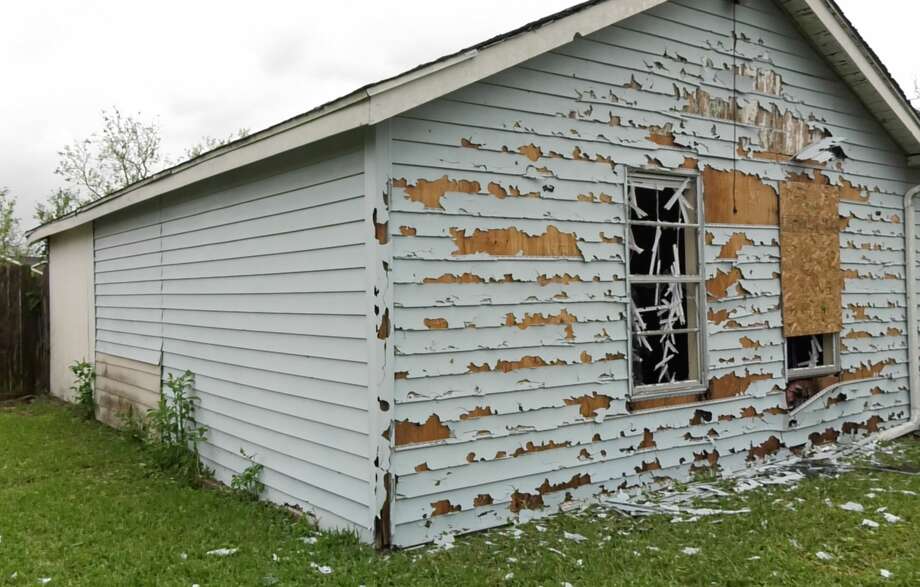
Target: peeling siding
[[257, 285], [509, 279]]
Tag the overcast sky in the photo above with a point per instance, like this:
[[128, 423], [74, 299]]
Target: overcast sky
[[210, 67]]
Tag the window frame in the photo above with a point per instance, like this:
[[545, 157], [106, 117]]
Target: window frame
[[649, 179], [798, 373]]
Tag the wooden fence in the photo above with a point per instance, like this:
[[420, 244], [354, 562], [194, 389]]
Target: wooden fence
[[24, 344]]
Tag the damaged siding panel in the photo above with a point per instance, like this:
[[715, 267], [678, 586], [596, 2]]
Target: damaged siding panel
[[497, 416], [257, 286]]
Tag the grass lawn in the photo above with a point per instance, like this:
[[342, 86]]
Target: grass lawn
[[81, 505]]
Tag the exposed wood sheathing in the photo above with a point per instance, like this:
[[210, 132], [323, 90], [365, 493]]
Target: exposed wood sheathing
[[810, 259], [514, 188]]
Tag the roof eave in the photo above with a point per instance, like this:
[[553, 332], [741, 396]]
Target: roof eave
[[903, 121], [363, 107]]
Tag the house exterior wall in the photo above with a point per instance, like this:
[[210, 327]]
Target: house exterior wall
[[70, 266], [507, 211], [257, 285]]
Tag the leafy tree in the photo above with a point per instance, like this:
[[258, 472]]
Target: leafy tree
[[62, 201], [10, 236], [210, 143], [127, 150]]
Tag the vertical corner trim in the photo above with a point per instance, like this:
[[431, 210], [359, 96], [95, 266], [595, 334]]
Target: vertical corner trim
[[379, 295]]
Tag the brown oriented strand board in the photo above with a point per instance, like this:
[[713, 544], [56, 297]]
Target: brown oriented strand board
[[810, 259]]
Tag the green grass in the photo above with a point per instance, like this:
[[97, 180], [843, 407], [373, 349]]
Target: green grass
[[80, 504]]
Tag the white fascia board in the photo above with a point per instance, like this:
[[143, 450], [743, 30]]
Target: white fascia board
[[375, 104], [856, 52]]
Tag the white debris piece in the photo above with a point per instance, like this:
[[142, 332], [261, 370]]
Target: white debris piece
[[44, 580], [511, 560], [540, 528], [517, 533], [574, 537], [825, 556], [444, 541], [322, 569], [309, 539], [509, 576], [852, 506], [870, 523], [222, 551], [183, 556], [886, 574], [891, 518], [821, 151], [557, 551], [753, 558], [566, 584], [690, 551]]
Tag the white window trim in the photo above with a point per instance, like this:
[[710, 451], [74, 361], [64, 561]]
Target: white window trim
[[795, 374], [667, 390]]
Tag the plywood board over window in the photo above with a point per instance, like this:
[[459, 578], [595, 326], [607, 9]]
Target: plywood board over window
[[810, 259]]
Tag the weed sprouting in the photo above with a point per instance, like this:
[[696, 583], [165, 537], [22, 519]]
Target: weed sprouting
[[84, 397], [247, 483], [174, 433]]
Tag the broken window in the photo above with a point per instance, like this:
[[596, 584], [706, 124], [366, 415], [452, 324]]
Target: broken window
[[812, 362], [811, 356], [666, 282]]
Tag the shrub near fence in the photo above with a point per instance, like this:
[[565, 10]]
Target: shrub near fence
[[23, 331]]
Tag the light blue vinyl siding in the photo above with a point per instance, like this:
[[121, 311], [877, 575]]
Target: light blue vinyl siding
[[257, 287]]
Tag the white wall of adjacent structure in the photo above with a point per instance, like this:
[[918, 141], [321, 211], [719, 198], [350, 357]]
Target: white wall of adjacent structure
[[70, 262]]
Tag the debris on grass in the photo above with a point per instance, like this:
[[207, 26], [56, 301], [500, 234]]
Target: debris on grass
[[872, 524], [825, 556], [891, 518], [852, 506], [445, 541], [222, 551], [573, 537], [690, 551], [321, 569], [886, 574]]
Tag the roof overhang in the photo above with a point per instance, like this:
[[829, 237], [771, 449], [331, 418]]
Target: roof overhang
[[820, 20], [835, 37]]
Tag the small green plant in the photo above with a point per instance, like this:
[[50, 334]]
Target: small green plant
[[174, 433], [247, 483], [84, 399], [134, 425]]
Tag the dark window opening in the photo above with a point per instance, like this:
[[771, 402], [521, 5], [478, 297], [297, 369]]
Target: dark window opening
[[811, 367], [666, 285]]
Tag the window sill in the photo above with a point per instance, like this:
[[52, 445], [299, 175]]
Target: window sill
[[667, 391]]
